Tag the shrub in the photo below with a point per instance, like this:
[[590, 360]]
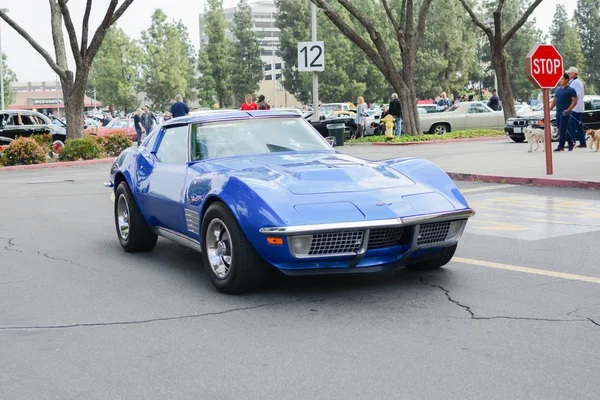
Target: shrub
[[116, 143], [83, 148], [44, 140], [24, 151], [100, 140]]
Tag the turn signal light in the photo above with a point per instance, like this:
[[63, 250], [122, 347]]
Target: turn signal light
[[541, 122], [277, 241]]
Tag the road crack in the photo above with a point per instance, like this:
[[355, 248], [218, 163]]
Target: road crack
[[10, 244], [143, 321], [473, 316]]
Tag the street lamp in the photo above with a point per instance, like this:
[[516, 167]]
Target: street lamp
[[4, 10]]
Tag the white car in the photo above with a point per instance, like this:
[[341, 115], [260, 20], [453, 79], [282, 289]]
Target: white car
[[462, 116]]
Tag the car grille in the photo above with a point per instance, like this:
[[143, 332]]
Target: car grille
[[519, 122], [336, 242], [385, 237], [433, 233]]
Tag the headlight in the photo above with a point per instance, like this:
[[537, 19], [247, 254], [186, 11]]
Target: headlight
[[301, 244]]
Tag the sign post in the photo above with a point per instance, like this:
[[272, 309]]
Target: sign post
[[311, 58], [544, 69]]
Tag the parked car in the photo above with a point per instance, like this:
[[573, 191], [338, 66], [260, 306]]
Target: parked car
[[514, 126], [4, 142], [257, 191], [338, 117], [466, 115], [118, 125], [25, 123], [428, 108]]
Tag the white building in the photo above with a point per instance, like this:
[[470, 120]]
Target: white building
[[263, 15]]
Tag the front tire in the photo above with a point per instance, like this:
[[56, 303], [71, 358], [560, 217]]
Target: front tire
[[440, 129], [435, 260], [554, 134], [230, 260], [134, 233]]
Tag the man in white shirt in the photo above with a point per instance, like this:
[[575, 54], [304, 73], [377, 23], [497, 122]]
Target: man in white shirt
[[575, 126]]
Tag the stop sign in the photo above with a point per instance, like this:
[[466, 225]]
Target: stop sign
[[544, 66]]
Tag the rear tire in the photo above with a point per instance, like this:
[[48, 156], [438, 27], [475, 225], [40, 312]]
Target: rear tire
[[435, 260], [134, 233], [440, 129], [230, 260]]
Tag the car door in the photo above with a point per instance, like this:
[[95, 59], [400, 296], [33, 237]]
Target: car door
[[160, 178], [591, 115], [12, 126], [480, 116]]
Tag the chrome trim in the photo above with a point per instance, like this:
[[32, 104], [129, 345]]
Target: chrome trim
[[382, 223], [192, 220], [109, 184], [178, 238]]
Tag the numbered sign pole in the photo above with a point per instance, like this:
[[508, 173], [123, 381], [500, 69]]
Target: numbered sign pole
[[315, 91]]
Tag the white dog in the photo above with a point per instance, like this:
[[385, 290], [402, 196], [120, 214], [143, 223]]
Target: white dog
[[534, 135]]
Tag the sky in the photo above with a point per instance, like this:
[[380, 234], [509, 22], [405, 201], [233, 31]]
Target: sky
[[31, 67]]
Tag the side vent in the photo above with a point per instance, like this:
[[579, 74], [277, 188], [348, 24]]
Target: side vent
[[192, 219]]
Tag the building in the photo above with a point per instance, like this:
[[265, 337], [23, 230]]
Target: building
[[263, 14], [44, 97]]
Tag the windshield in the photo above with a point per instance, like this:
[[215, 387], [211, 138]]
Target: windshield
[[258, 136]]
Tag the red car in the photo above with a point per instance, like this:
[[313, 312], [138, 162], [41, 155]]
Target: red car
[[118, 125]]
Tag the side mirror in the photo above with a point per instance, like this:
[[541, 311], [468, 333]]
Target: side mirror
[[331, 140]]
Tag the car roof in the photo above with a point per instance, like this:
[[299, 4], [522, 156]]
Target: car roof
[[224, 115]]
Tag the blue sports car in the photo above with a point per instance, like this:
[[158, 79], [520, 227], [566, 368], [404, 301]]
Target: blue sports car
[[257, 191]]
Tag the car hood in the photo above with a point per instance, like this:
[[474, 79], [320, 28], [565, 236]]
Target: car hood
[[535, 115], [315, 173]]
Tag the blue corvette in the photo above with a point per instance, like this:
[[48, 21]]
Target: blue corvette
[[262, 189]]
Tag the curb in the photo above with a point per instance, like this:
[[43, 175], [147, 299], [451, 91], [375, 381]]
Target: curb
[[547, 182], [58, 164], [478, 139]]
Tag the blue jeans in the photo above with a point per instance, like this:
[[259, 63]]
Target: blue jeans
[[576, 128], [139, 136], [563, 123], [398, 126]]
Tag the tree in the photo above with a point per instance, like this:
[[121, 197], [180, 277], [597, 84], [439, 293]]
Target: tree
[[215, 63], [73, 84], [401, 17], [587, 22], [498, 38], [247, 63], [115, 70], [9, 77], [563, 36], [168, 68]]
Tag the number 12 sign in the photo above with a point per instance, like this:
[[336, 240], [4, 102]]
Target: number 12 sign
[[311, 56]]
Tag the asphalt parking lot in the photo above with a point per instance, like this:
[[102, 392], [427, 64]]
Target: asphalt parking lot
[[516, 315]]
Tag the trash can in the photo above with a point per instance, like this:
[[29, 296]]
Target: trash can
[[337, 131]]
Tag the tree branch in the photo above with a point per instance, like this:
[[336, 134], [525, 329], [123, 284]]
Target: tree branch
[[85, 27], [110, 18], [500, 6], [335, 18], [520, 22], [34, 44], [421, 23], [70, 31], [390, 15], [476, 21], [120, 11]]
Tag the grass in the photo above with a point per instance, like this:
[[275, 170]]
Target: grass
[[422, 138]]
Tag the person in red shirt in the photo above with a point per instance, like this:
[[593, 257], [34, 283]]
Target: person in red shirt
[[249, 104]]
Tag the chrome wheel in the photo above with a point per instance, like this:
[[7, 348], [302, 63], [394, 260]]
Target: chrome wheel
[[123, 217], [440, 130], [219, 248]]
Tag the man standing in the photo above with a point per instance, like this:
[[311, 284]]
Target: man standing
[[575, 126], [148, 120], [139, 127], [262, 103], [395, 110], [249, 104], [494, 102], [179, 108], [565, 100], [444, 102]]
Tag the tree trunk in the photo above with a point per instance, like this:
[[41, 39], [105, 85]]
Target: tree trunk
[[74, 97], [504, 89]]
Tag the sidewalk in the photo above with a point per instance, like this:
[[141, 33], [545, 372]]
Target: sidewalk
[[497, 161]]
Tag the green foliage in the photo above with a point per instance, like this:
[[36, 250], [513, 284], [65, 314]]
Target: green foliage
[[116, 69], [24, 151], [9, 77], [168, 64], [115, 144], [246, 61], [424, 138], [348, 71], [100, 140], [85, 148], [214, 62], [587, 22], [563, 36], [45, 141]]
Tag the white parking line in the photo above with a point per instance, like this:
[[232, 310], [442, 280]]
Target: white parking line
[[486, 188]]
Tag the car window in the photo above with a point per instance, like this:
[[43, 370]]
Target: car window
[[257, 136], [173, 145], [596, 104], [477, 108]]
